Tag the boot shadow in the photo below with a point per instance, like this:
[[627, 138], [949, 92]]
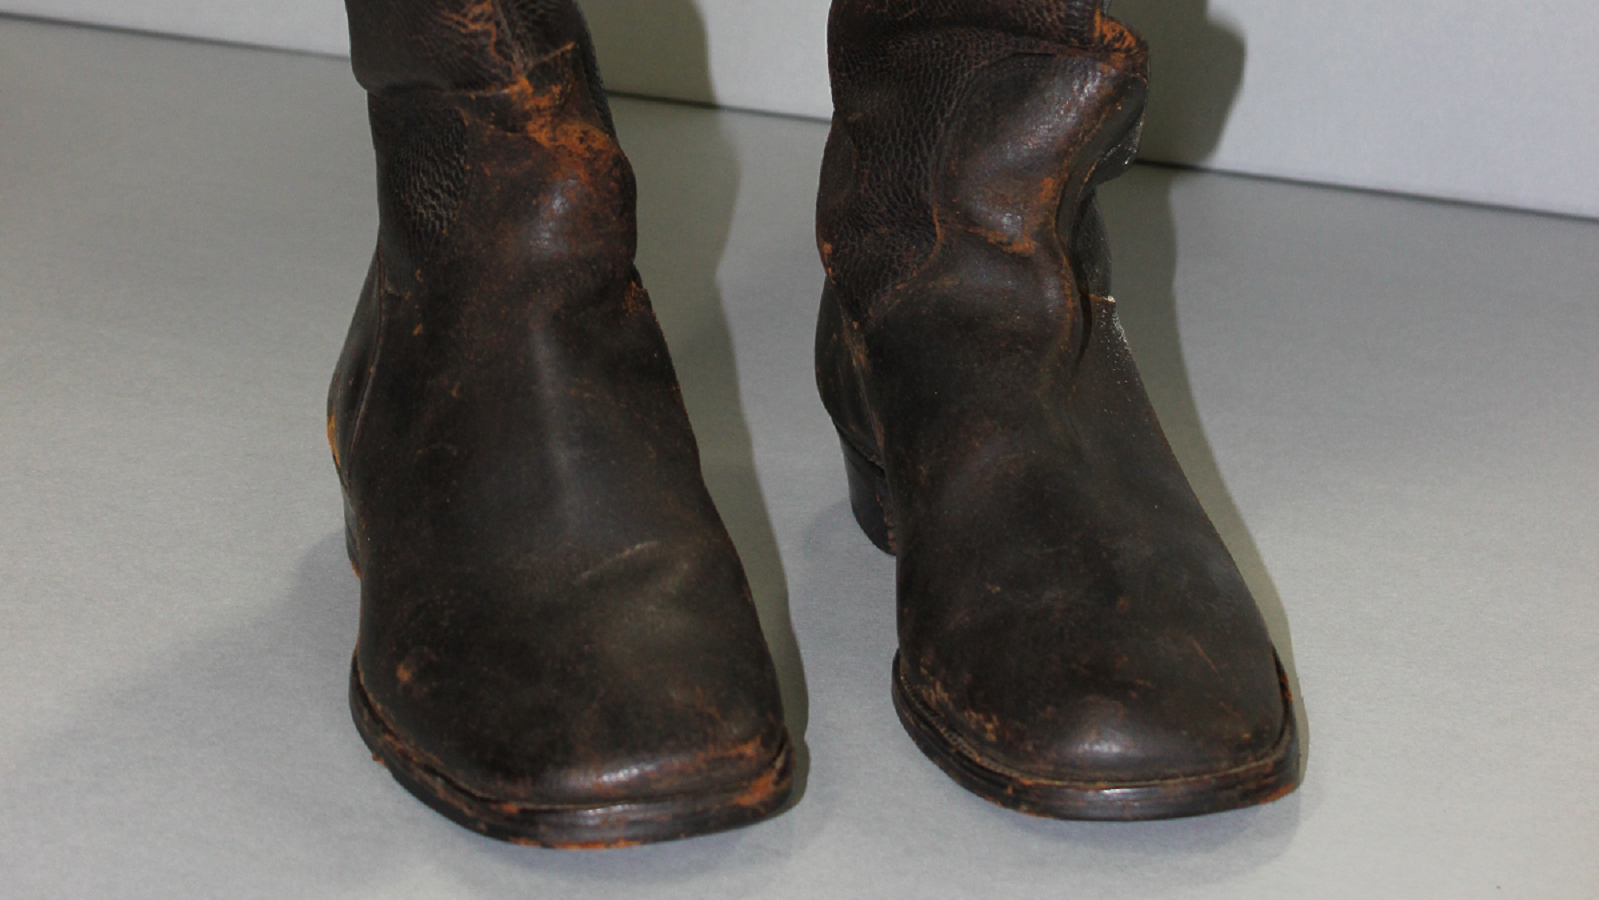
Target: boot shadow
[[227, 765], [654, 49], [688, 176], [1197, 65]]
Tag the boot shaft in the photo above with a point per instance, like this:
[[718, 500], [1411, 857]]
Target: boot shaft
[[465, 45], [497, 100], [505, 203], [856, 25], [911, 80]]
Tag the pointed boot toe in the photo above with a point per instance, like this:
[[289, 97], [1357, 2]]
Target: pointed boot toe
[[1111, 754], [1089, 707], [602, 707], [1075, 639], [1067, 652], [557, 643]]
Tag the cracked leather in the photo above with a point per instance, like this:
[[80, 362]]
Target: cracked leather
[[1067, 612], [553, 616]]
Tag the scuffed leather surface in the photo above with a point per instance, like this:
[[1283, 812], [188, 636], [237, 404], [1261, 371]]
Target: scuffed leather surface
[[552, 612], [1064, 603]]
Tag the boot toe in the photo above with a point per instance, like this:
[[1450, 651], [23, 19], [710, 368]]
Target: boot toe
[[1082, 742], [591, 717]]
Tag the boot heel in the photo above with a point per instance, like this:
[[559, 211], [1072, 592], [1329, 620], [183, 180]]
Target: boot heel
[[868, 497]]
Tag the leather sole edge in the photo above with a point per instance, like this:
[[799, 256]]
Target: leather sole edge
[[574, 828], [1249, 784]]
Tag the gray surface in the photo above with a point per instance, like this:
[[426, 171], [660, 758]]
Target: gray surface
[[1468, 99], [1390, 407]]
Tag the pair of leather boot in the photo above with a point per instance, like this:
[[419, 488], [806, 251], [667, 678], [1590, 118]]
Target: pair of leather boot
[[557, 643]]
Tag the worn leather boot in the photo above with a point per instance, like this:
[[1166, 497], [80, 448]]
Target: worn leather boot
[[557, 644], [1075, 640]]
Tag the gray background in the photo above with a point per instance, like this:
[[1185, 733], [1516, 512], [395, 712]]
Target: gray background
[[1479, 100], [1389, 406]]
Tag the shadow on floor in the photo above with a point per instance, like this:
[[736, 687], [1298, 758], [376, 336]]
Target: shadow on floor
[[688, 177], [1196, 68], [231, 767]]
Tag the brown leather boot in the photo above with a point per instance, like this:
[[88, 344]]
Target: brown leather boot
[[1075, 640], [557, 644]]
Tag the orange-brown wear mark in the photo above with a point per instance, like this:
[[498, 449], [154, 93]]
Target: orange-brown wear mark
[[480, 20], [576, 845], [636, 300], [1115, 37], [826, 249], [760, 790], [751, 749], [1020, 240], [934, 695], [987, 724], [569, 137], [333, 442], [1281, 792], [542, 103]]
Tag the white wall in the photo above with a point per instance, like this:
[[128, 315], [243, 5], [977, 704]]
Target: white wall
[[1476, 100]]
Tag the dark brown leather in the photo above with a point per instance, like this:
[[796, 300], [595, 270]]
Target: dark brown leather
[[1075, 639], [557, 643]]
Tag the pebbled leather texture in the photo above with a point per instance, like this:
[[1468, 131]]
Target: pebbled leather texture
[[1075, 639], [557, 642]]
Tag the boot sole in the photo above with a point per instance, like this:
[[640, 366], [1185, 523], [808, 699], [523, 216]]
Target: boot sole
[[573, 827], [1251, 783]]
